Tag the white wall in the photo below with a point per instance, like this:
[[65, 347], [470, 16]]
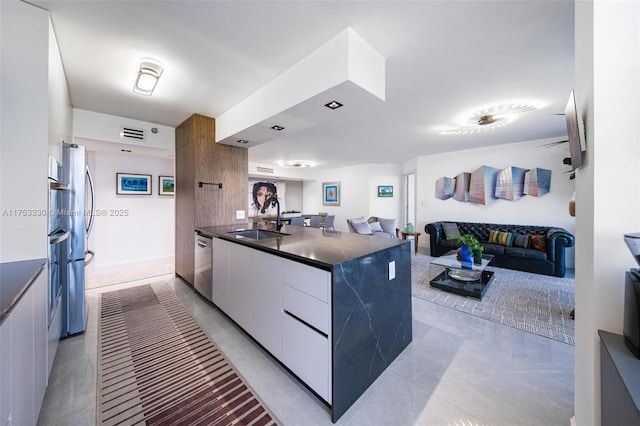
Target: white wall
[[105, 127], [359, 192], [24, 35], [607, 187], [144, 235], [549, 209]]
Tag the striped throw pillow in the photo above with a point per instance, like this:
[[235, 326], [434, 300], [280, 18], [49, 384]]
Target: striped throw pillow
[[451, 231], [502, 238], [523, 241]]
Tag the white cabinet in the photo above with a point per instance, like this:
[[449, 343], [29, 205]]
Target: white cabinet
[[266, 301], [284, 305], [40, 341], [5, 370], [306, 325], [22, 357], [220, 266], [241, 273]]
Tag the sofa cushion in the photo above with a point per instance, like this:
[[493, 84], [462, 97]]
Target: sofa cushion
[[361, 228], [451, 231], [522, 240], [502, 238], [355, 220], [382, 235], [524, 253], [493, 248], [539, 242], [375, 227], [388, 225]]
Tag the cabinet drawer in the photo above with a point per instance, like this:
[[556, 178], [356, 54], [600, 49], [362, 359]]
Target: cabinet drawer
[[306, 353], [309, 309], [307, 279]]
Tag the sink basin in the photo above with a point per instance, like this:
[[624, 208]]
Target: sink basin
[[258, 234]]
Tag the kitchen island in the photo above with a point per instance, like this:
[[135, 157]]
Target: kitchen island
[[332, 307]]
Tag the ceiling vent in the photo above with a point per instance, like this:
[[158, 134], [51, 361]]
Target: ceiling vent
[[264, 169], [132, 133]]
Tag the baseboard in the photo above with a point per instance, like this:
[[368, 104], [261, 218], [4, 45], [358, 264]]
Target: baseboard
[[127, 266]]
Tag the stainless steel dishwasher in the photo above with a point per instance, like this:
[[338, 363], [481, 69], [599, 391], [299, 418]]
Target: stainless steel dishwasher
[[202, 265]]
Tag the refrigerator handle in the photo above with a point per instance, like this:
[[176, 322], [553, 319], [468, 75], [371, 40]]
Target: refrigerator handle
[[90, 259], [93, 200]]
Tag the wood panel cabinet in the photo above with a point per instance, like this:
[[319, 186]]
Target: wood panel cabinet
[[200, 159]]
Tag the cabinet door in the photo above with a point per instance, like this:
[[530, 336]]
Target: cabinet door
[[5, 370], [40, 340], [220, 265], [22, 361], [240, 285], [266, 311]]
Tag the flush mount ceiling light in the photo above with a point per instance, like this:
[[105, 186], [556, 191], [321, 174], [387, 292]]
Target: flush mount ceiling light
[[492, 118], [243, 141], [148, 75], [278, 128], [297, 164], [333, 105]]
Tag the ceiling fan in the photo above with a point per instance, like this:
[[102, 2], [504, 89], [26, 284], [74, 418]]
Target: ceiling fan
[[491, 118]]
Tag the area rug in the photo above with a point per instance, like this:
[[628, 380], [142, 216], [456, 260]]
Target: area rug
[[538, 304], [156, 366]]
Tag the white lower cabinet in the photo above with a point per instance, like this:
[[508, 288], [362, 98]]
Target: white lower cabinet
[[5, 371], [22, 357], [282, 304], [40, 341], [306, 352]]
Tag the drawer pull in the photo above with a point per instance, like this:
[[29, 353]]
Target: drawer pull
[[305, 323]]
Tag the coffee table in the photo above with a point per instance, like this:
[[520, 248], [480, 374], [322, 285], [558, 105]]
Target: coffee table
[[462, 278]]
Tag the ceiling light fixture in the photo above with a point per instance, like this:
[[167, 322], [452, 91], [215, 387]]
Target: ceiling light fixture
[[333, 105], [492, 118], [297, 164], [148, 76], [278, 128], [243, 141]]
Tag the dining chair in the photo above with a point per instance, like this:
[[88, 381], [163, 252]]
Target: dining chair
[[297, 221], [314, 221], [328, 222]]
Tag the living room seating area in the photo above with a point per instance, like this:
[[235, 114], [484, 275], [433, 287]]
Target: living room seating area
[[529, 248]]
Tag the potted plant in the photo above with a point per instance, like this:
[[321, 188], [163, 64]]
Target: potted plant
[[470, 248]]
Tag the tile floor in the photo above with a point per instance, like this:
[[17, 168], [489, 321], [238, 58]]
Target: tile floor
[[459, 370]]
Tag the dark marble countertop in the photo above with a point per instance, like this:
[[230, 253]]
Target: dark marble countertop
[[15, 279], [312, 246]]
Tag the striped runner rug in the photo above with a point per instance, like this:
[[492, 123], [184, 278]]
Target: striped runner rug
[[156, 366]]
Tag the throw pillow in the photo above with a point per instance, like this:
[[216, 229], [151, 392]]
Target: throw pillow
[[375, 227], [523, 241], [362, 228], [451, 231], [502, 238], [539, 242], [388, 225]]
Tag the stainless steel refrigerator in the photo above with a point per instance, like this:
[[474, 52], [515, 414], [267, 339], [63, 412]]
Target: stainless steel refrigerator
[[79, 203]]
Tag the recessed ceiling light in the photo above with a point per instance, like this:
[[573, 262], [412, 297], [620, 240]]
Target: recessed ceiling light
[[491, 118], [125, 150], [242, 141], [278, 128], [297, 164], [333, 105]]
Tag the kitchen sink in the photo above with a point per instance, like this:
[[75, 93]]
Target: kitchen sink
[[257, 234]]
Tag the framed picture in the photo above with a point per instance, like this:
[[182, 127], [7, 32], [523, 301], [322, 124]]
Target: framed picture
[[330, 193], [385, 191], [166, 185], [133, 184]]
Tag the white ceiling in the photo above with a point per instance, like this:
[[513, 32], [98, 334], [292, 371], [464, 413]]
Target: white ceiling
[[443, 59]]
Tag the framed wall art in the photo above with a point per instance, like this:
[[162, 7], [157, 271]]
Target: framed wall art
[[385, 191], [166, 185], [133, 184], [330, 193]]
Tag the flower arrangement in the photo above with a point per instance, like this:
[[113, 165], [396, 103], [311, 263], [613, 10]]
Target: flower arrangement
[[474, 248]]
